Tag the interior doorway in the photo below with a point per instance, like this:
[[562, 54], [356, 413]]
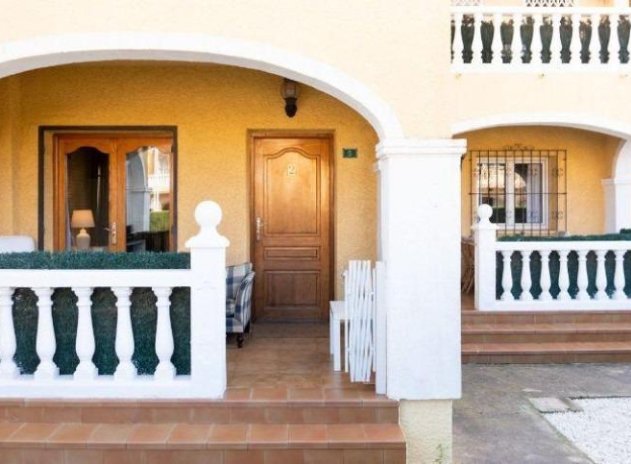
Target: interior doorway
[[118, 188]]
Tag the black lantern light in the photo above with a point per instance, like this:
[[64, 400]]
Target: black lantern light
[[290, 91]]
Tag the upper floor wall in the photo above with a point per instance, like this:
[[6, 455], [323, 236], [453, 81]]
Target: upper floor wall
[[399, 53]]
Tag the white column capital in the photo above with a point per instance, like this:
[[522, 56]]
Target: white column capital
[[388, 148]]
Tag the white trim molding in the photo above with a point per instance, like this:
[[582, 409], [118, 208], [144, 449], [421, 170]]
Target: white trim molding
[[46, 51]]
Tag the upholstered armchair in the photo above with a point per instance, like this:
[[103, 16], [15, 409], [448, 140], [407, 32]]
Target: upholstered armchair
[[239, 284]]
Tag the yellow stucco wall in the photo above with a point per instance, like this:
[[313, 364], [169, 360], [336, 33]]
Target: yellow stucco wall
[[213, 107], [589, 160]]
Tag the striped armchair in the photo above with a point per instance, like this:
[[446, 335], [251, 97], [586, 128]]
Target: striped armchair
[[239, 284]]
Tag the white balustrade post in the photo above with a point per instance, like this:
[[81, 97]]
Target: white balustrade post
[[484, 234], [581, 278], [124, 335], [516, 45], [208, 301], [507, 277], [46, 343], [85, 335], [575, 45], [8, 368], [477, 45], [594, 44], [458, 45], [526, 279], [555, 45], [564, 277], [496, 45], [164, 335], [601, 276], [545, 281], [619, 279], [536, 46]]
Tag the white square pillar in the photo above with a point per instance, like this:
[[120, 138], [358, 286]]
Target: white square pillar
[[420, 245], [617, 206]]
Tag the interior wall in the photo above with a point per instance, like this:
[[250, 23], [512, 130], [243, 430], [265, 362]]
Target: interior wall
[[589, 160], [213, 107]]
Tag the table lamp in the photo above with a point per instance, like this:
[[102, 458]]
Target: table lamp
[[82, 219]]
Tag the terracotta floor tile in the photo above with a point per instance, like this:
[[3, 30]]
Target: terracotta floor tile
[[311, 436], [392, 456], [11, 456], [237, 394], [310, 395], [342, 396], [123, 457], [71, 435], [244, 457], [269, 394], [283, 457], [386, 435], [247, 415], [33, 435], [149, 435], [346, 435], [283, 415], [8, 428], [171, 414], [211, 415], [323, 456], [42, 456], [110, 436], [268, 435], [363, 456], [183, 457], [83, 456], [233, 436], [189, 436]]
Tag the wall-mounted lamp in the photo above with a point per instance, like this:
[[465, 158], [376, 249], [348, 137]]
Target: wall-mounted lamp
[[290, 92]]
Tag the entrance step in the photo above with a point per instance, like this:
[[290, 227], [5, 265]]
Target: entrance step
[[528, 353], [546, 337], [57, 443], [239, 406]]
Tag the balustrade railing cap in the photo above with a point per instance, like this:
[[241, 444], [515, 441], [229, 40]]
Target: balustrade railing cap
[[484, 218], [208, 216]]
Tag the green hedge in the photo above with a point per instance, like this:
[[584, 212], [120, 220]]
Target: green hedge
[[104, 313]]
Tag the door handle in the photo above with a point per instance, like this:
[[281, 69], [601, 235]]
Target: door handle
[[259, 227], [113, 234]]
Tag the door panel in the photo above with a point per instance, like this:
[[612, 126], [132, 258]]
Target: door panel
[[133, 190], [291, 226]]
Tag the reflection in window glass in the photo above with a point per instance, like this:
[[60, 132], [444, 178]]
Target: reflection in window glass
[[148, 199]]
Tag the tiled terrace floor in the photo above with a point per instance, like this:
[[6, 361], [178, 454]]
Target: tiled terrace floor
[[285, 356]]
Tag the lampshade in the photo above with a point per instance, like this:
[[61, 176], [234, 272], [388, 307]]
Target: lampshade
[[82, 218]]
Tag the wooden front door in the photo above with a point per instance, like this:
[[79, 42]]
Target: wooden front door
[[124, 180], [291, 226]]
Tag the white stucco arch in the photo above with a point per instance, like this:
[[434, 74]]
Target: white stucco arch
[[45, 51], [617, 188]]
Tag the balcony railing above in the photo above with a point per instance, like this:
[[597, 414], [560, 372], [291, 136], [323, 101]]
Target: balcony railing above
[[540, 39]]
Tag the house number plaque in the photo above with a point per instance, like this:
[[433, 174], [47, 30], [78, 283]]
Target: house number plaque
[[292, 170]]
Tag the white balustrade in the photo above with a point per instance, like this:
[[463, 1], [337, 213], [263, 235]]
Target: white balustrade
[[85, 336], [578, 255], [526, 279], [8, 369], [164, 335], [546, 282], [206, 280], [468, 21], [124, 335]]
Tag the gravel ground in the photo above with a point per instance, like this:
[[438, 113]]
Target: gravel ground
[[602, 430]]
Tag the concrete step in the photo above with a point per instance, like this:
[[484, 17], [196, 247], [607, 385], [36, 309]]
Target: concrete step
[[546, 332], [61, 443], [548, 317], [527, 353], [239, 406]]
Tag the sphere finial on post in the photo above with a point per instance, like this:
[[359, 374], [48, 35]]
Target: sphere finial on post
[[484, 214], [208, 216]]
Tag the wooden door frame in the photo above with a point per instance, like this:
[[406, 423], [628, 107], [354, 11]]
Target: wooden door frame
[[328, 134], [140, 131]]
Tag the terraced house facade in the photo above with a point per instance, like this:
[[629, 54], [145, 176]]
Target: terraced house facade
[[322, 132]]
